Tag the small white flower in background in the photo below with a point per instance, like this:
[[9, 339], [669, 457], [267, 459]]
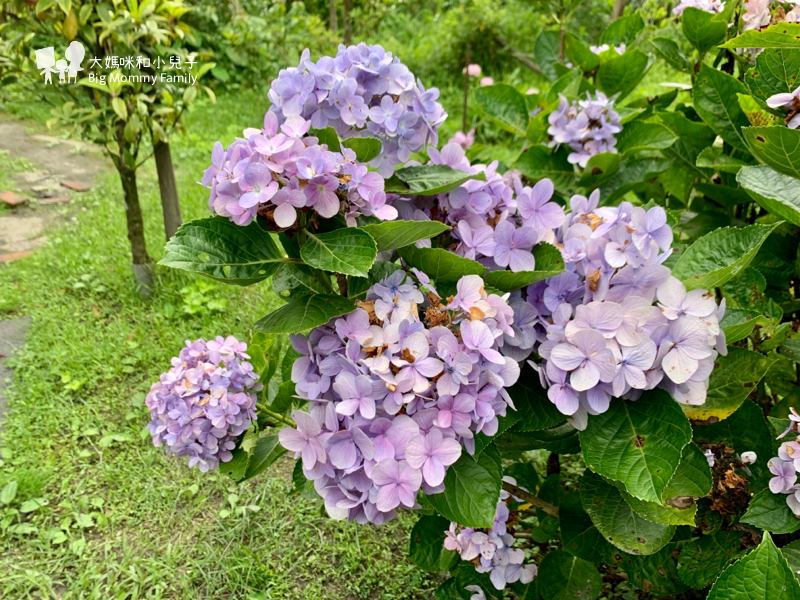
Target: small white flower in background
[[487, 81], [710, 457], [478, 595], [749, 458], [603, 47], [711, 6]]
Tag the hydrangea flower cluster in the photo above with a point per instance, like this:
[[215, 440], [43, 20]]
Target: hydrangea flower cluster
[[497, 221], [789, 102], [394, 398], [277, 170], [711, 6], [586, 126], [596, 326], [204, 402], [362, 91], [786, 465], [494, 549]]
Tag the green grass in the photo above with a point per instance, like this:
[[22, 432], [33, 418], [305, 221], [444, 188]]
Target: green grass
[[122, 519]]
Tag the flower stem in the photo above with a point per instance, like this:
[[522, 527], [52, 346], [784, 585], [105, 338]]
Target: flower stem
[[275, 415], [530, 499]]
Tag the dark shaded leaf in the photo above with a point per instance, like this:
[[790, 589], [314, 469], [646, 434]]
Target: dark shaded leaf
[[305, 311]]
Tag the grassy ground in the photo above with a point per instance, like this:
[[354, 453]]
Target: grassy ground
[[99, 512]]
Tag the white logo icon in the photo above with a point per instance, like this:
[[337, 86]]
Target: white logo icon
[[66, 69]]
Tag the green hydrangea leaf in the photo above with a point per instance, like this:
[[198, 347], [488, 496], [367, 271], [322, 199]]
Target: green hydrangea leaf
[[761, 574], [220, 249], [720, 255], [638, 443], [617, 521]]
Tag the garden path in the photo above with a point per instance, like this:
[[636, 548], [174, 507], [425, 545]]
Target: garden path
[[63, 167], [35, 199]]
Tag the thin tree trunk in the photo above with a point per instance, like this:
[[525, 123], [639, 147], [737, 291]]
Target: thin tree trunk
[[553, 464], [348, 30], [142, 263], [466, 93], [170, 205], [332, 17], [618, 9]]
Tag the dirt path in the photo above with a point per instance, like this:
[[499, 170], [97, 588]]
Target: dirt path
[[62, 168]]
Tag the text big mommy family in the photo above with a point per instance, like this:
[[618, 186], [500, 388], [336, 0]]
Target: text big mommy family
[[153, 79]]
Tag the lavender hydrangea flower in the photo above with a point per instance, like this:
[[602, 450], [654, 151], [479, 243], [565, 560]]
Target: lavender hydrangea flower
[[492, 550], [279, 174], [496, 222], [790, 102], [513, 247], [587, 358], [586, 126], [595, 326], [362, 91], [393, 400], [432, 453], [204, 402], [306, 440], [785, 475], [397, 483]]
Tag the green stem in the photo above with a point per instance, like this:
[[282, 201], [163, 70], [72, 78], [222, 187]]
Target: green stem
[[275, 415], [530, 499]]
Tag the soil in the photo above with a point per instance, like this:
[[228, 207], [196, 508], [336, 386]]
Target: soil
[[55, 161]]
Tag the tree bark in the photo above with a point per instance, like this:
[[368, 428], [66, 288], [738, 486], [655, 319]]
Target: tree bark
[[348, 30], [553, 464], [618, 9], [170, 205], [142, 263], [332, 16], [466, 92]]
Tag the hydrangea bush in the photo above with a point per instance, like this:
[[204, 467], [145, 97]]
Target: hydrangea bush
[[621, 294]]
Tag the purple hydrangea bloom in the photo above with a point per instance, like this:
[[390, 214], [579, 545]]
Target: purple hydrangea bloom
[[393, 399], [277, 174], [513, 247], [492, 550], [204, 402], [496, 222], [586, 126], [785, 475], [790, 102], [596, 327], [362, 91], [432, 453]]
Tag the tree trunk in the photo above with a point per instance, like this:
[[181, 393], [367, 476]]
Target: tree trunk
[[348, 30], [142, 263], [553, 464], [618, 9], [170, 205], [466, 91], [332, 17]]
